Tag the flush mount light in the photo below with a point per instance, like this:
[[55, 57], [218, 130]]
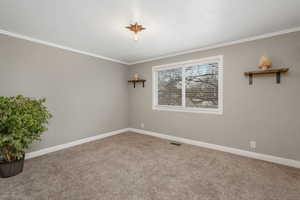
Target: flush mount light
[[135, 28]]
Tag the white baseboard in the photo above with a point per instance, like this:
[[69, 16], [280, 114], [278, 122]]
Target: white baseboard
[[72, 144], [259, 156]]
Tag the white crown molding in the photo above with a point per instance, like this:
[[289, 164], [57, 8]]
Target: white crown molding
[[24, 37], [267, 35], [72, 144], [259, 156]]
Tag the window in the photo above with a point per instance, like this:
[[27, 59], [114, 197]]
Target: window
[[192, 86]]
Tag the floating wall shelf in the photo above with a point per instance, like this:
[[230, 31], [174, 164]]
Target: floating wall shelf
[[137, 81], [269, 71]]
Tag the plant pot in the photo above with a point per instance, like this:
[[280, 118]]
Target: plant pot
[[9, 169]]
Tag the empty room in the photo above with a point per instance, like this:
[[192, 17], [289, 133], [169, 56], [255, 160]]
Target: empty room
[[149, 100]]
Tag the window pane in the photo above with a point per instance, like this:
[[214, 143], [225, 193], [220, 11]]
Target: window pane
[[170, 87], [202, 86]]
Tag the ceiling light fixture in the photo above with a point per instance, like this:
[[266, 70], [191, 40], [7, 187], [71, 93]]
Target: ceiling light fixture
[[136, 28]]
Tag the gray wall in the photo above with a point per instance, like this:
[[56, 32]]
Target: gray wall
[[86, 95], [266, 112]]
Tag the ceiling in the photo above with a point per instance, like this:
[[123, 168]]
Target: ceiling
[[173, 26]]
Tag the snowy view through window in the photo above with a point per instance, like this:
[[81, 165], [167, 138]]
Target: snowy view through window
[[201, 86]]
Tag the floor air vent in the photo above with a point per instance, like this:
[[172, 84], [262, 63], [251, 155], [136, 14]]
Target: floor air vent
[[175, 143]]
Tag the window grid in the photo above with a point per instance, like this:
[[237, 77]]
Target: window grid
[[183, 66], [183, 87]]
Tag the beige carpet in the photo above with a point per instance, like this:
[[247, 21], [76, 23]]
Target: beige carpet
[[136, 167]]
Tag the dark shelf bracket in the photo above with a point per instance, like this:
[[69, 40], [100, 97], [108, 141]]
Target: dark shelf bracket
[[137, 81], [278, 77], [250, 79], [277, 72]]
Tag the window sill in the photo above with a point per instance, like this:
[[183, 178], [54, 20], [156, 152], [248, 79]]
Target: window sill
[[188, 110]]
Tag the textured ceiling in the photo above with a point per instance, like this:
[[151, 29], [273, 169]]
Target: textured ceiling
[[98, 26]]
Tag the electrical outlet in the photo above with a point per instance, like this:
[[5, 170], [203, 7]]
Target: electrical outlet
[[253, 144], [142, 125]]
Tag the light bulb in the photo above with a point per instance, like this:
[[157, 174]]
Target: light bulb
[[135, 37]]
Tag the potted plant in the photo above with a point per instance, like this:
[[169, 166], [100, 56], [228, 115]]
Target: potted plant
[[22, 121]]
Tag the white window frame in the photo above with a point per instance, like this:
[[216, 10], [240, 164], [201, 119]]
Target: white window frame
[[183, 65]]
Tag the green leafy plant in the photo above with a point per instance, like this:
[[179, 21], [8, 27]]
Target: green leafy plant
[[22, 121]]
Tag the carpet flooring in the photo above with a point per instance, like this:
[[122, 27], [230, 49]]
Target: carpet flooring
[[131, 166]]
